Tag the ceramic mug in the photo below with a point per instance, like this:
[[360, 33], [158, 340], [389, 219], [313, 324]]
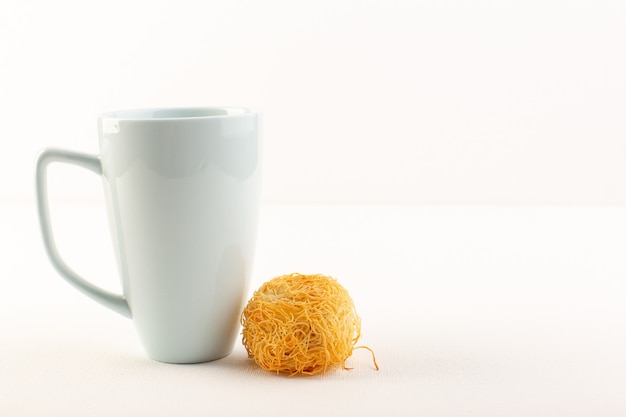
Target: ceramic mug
[[182, 189]]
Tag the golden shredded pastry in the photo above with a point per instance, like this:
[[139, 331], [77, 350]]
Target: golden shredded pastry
[[301, 324]]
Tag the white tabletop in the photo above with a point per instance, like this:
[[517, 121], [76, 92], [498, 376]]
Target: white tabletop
[[483, 311]]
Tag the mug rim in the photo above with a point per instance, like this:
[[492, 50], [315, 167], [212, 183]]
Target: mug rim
[[177, 113]]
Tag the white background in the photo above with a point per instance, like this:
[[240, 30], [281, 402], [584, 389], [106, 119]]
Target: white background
[[436, 102], [384, 121]]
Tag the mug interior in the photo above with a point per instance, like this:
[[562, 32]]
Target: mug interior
[[176, 113]]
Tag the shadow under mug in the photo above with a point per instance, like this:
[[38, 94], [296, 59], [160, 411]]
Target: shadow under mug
[[182, 190]]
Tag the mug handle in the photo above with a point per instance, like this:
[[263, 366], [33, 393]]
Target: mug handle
[[115, 302]]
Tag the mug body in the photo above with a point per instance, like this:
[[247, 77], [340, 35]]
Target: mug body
[[182, 189]]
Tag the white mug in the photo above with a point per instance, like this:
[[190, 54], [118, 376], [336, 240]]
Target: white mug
[[182, 192]]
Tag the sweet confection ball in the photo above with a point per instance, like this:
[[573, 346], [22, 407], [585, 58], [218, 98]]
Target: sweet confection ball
[[300, 324]]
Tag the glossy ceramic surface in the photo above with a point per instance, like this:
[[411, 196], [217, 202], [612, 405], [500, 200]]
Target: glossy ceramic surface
[[182, 190]]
